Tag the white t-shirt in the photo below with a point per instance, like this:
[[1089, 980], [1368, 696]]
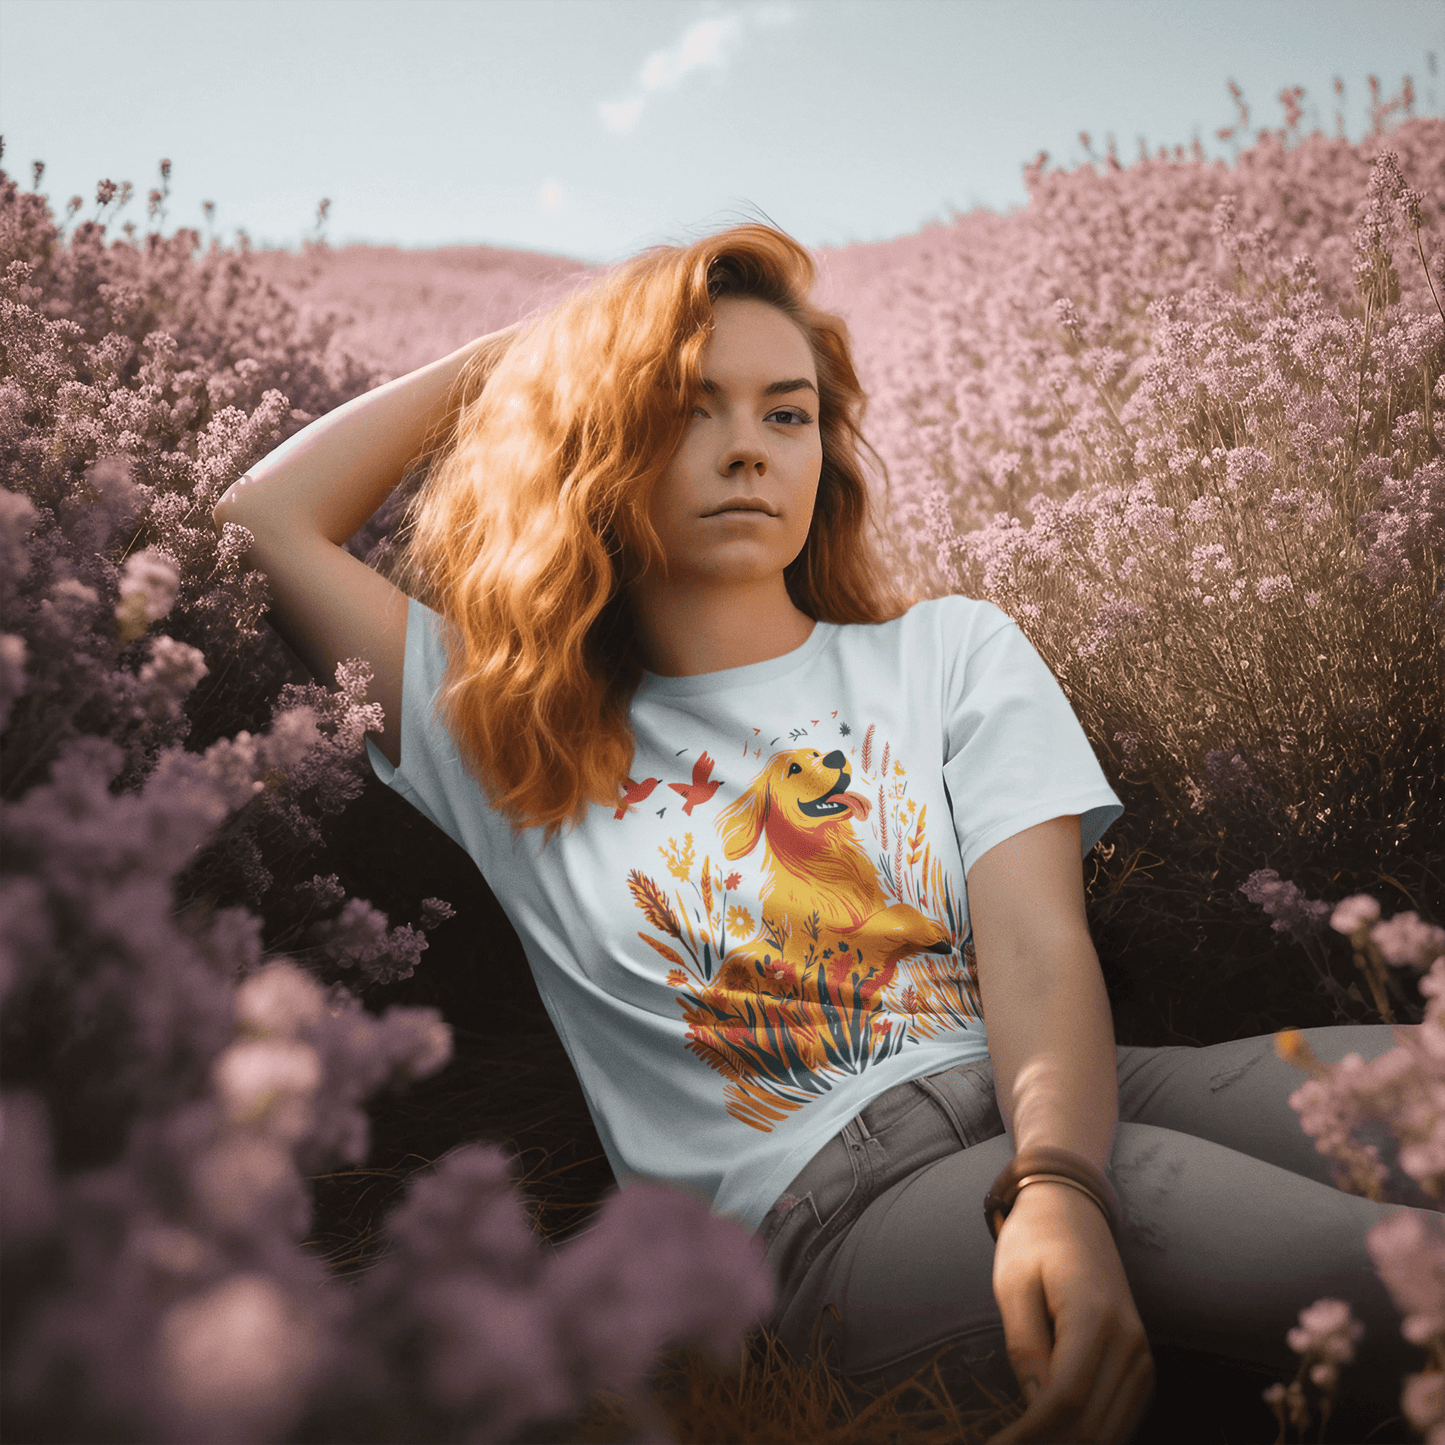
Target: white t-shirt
[[774, 930]]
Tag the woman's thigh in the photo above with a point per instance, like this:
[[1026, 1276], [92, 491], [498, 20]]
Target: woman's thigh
[[1237, 1094], [1222, 1251]]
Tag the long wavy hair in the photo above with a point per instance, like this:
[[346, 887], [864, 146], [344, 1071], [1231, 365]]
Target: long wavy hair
[[531, 523]]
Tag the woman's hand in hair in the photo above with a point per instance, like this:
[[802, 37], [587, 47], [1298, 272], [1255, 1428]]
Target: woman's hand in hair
[[1074, 1336]]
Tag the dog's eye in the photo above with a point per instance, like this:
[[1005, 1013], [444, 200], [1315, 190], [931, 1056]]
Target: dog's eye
[[794, 769]]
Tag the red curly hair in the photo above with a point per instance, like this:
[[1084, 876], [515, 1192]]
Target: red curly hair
[[532, 520]]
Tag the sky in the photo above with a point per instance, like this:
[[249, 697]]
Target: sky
[[594, 128]]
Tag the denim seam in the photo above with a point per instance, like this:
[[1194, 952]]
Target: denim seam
[[851, 1207]]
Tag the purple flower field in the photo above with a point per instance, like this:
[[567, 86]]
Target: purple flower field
[[1181, 418]]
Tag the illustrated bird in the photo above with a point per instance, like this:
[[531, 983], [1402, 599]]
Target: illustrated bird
[[699, 790], [635, 793]]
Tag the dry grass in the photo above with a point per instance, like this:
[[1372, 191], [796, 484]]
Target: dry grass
[[770, 1399]]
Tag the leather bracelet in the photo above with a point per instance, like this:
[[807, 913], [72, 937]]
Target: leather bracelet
[[1059, 1166]]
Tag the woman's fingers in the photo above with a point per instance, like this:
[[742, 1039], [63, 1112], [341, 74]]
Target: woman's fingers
[[1132, 1401], [1066, 1384], [1097, 1388], [1028, 1333]]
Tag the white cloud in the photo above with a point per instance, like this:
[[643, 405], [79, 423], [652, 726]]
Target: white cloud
[[706, 44], [621, 115], [770, 15], [550, 197]]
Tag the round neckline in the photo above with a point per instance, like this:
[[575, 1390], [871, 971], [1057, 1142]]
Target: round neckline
[[654, 684]]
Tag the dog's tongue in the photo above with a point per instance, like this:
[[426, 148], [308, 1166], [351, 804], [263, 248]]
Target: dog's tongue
[[858, 806]]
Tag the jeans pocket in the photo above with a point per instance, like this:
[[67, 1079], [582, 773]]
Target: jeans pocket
[[965, 1094]]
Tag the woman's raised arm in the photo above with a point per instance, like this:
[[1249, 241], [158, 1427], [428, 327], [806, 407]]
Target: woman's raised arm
[[303, 500], [333, 474]]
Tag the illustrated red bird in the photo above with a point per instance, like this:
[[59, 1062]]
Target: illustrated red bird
[[699, 790], [635, 793]]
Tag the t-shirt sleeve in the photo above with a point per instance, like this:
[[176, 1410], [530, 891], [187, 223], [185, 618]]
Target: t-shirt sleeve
[[1015, 753], [431, 776]]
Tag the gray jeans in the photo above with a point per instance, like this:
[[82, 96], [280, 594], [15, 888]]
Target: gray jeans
[[1231, 1222]]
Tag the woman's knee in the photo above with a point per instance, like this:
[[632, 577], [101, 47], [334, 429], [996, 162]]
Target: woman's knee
[[1333, 1042]]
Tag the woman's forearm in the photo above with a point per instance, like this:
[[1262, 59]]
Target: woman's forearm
[[1055, 1064], [1046, 1009], [335, 473]]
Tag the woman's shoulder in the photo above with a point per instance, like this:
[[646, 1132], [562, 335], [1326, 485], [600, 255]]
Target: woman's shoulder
[[951, 621], [953, 605]]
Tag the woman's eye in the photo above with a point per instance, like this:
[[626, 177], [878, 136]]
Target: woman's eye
[[798, 418]]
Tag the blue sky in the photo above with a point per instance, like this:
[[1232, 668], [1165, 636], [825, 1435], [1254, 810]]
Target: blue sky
[[592, 128]]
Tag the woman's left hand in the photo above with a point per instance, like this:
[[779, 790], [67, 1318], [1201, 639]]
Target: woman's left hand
[[1074, 1337]]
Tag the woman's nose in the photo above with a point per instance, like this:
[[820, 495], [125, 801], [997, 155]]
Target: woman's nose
[[749, 450]]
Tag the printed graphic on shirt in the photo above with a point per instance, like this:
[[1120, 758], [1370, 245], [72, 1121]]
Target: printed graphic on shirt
[[860, 948]]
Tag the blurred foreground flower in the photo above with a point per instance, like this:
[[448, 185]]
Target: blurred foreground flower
[[1325, 1339], [147, 591]]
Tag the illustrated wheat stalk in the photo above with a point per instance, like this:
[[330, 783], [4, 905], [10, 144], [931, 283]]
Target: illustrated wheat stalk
[[915, 845], [664, 950], [654, 906]]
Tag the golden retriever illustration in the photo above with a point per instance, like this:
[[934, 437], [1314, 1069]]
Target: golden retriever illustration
[[825, 918]]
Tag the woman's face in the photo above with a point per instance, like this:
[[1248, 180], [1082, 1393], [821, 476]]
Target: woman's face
[[751, 436]]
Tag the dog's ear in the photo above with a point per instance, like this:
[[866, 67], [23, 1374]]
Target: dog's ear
[[741, 824]]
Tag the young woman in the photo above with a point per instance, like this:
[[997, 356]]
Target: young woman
[[816, 832]]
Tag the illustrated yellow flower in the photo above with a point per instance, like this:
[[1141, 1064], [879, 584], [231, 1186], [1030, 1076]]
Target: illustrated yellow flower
[[678, 864], [739, 919]]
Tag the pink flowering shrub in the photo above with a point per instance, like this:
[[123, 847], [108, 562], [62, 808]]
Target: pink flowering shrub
[[1002, 354], [1324, 1339], [1181, 420], [1402, 1092], [183, 1037], [400, 309]]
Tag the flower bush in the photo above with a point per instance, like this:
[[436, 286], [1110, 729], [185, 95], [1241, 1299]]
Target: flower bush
[[169, 1083], [1179, 418], [1403, 1092], [1182, 425]]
